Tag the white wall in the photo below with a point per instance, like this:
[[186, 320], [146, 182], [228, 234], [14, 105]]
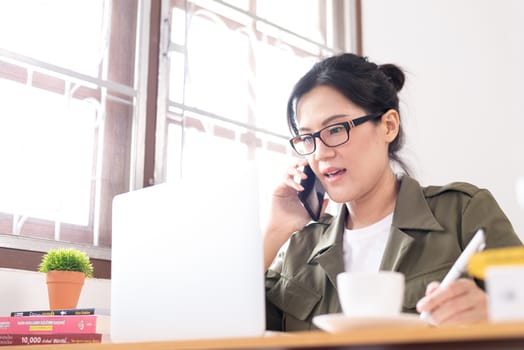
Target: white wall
[[463, 103]]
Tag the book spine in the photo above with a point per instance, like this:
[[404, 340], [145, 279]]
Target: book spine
[[44, 339], [48, 324], [64, 312]]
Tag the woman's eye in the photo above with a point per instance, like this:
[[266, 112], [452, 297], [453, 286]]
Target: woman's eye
[[336, 129], [307, 140]]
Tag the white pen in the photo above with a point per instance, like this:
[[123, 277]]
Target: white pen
[[477, 243]]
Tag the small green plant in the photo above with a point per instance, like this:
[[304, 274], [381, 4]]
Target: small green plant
[[66, 260]]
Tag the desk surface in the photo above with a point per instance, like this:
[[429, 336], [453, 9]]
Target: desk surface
[[480, 336]]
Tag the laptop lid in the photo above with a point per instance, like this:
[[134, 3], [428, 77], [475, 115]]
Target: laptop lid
[[187, 260]]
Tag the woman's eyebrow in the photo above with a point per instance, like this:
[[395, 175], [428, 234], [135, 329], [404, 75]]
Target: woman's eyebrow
[[328, 120], [325, 122]]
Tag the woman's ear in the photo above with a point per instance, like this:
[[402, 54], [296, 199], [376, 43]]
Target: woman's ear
[[391, 123]]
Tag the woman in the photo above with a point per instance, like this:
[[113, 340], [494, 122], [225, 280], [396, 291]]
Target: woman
[[344, 115]]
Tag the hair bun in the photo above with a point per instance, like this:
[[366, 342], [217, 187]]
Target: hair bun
[[394, 73]]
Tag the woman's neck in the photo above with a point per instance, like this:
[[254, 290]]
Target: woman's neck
[[375, 205]]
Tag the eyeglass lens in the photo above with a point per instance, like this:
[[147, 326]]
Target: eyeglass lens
[[331, 136]]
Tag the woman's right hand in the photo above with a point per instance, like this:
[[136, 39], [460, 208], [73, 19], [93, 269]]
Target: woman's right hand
[[287, 214]]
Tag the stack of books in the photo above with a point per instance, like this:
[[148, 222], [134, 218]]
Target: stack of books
[[69, 326]]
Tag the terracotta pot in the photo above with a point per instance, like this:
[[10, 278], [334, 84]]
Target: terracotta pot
[[63, 288]]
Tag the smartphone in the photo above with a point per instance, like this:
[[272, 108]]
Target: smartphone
[[313, 195]]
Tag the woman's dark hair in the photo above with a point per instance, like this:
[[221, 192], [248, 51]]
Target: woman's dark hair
[[373, 88]]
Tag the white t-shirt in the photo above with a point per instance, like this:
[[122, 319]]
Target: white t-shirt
[[364, 247]]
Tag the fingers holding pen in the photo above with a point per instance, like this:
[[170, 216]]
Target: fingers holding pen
[[432, 287], [436, 297], [461, 301]]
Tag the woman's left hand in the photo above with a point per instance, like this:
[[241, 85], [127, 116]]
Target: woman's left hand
[[459, 303]]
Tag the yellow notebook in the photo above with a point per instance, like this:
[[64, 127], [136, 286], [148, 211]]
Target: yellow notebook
[[479, 262]]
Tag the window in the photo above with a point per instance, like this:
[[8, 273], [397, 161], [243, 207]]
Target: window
[[230, 66], [75, 129], [67, 81]]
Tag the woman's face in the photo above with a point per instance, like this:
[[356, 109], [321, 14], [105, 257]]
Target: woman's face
[[351, 171]]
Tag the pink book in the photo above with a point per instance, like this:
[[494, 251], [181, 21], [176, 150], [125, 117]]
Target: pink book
[[54, 324]]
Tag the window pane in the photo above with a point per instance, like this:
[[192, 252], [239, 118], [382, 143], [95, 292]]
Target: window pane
[[46, 147], [218, 69], [207, 153], [176, 77], [241, 67], [62, 32], [178, 26], [215, 7], [299, 16], [66, 139], [242, 4], [277, 70], [173, 151]]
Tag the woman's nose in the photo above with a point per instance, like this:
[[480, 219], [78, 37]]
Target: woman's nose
[[322, 151]]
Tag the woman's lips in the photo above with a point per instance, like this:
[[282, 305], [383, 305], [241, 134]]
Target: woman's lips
[[334, 174]]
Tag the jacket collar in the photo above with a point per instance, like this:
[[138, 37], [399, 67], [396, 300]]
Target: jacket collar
[[412, 210], [333, 233], [328, 252], [411, 213]]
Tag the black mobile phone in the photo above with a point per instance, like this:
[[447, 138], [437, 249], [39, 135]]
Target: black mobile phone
[[313, 195]]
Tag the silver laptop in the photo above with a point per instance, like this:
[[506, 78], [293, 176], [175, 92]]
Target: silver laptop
[[187, 260]]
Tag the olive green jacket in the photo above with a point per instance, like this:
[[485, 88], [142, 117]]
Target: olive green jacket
[[430, 228]]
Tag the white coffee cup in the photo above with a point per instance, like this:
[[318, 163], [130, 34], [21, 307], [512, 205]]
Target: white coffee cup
[[371, 294]]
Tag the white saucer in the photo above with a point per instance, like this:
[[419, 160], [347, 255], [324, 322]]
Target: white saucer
[[334, 323]]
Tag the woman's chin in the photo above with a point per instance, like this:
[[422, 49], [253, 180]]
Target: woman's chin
[[340, 199]]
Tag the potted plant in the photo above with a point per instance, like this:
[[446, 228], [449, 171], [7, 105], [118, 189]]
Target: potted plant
[[66, 270]]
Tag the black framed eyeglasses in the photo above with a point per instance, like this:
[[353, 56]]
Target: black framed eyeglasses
[[332, 135]]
